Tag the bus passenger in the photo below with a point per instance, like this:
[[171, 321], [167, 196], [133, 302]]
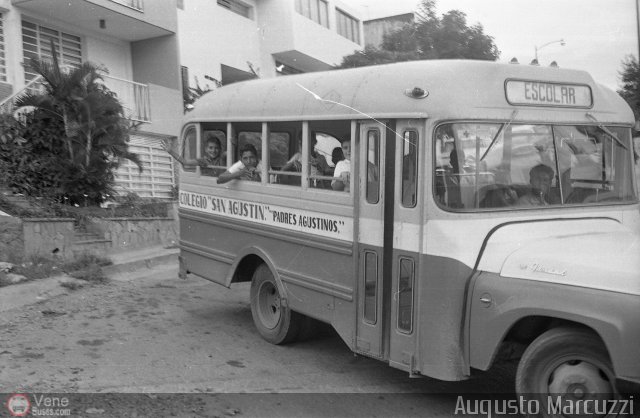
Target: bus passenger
[[318, 164], [213, 157], [248, 168], [342, 172], [336, 156], [540, 178]]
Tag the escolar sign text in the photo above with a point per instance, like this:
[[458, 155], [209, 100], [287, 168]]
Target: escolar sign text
[[537, 93]]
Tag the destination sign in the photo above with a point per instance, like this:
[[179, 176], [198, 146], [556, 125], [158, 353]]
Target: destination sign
[[538, 93]]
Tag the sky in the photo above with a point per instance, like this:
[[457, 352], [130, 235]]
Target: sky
[[598, 34]]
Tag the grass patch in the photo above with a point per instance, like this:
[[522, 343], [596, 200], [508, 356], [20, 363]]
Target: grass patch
[[36, 268], [84, 267], [87, 267]]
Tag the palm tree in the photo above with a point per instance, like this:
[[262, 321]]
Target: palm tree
[[93, 117]]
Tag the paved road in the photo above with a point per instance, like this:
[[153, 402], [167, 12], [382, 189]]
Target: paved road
[[148, 331]]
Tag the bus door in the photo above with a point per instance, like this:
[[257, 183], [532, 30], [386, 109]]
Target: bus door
[[407, 243], [373, 286]]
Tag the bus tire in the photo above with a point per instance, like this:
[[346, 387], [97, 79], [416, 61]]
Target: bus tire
[[275, 322], [568, 361]]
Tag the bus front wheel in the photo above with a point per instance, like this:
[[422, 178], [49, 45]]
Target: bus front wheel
[[274, 320], [563, 366]]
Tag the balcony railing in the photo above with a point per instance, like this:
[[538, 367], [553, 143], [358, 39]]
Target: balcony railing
[[134, 4], [133, 96], [8, 105]]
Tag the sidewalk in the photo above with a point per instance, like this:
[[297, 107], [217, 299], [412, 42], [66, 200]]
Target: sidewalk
[[124, 264]]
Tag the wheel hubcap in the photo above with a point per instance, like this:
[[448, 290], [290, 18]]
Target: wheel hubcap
[[580, 380], [269, 305]]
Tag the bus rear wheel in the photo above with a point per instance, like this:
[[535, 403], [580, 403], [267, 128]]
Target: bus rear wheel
[[274, 320], [564, 366]]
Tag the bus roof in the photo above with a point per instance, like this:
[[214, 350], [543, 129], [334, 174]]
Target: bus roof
[[453, 89]]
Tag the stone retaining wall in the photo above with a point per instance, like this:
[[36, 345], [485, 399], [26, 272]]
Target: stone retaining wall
[[127, 233], [48, 236], [11, 239]]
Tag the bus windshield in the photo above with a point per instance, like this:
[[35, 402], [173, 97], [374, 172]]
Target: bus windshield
[[504, 165]]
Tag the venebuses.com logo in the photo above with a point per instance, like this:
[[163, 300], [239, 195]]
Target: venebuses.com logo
[[18, 405], [44, 405]]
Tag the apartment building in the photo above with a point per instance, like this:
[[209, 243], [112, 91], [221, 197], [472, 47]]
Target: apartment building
[[135, 40], [231, 40]]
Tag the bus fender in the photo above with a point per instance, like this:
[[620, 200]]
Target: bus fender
[[507, 310], [532, 274], [253, 251]]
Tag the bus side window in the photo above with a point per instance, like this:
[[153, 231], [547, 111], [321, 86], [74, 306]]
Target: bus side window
[[405, 295], [409, 169], [373, 166], [189, 148], [370, 287]]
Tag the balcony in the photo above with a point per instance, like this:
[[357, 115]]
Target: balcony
[[127, 20], [133, 96], [134, 4]]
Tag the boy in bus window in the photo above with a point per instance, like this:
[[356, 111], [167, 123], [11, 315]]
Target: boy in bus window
[[212, 157], [318, 164], [342, 172], [540, 178], [248, 168]]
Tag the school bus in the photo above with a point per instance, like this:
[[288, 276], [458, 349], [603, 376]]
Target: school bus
[[492, 208]]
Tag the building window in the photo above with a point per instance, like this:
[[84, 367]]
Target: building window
[[316, 10], [36, 43], [348, 26], [236, 7], [3, 59], [180, 4]]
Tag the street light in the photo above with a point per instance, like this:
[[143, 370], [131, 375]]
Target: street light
[[538, 48]]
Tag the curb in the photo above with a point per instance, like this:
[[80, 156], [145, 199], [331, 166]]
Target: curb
[[36, 291], [148, 258]]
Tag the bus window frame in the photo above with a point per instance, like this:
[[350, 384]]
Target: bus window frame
[[502, 131], [190, 169]]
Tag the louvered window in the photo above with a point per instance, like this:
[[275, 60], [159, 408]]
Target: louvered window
[[36, 43], [236, 7], [157, 176], [3, 57]]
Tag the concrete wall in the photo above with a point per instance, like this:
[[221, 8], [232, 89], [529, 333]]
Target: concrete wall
[[156, 61], [113, 54], [162, 14], [332, 50], [211, 35], [44, 236], [166, 111], [128, 233], [374, 30]]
